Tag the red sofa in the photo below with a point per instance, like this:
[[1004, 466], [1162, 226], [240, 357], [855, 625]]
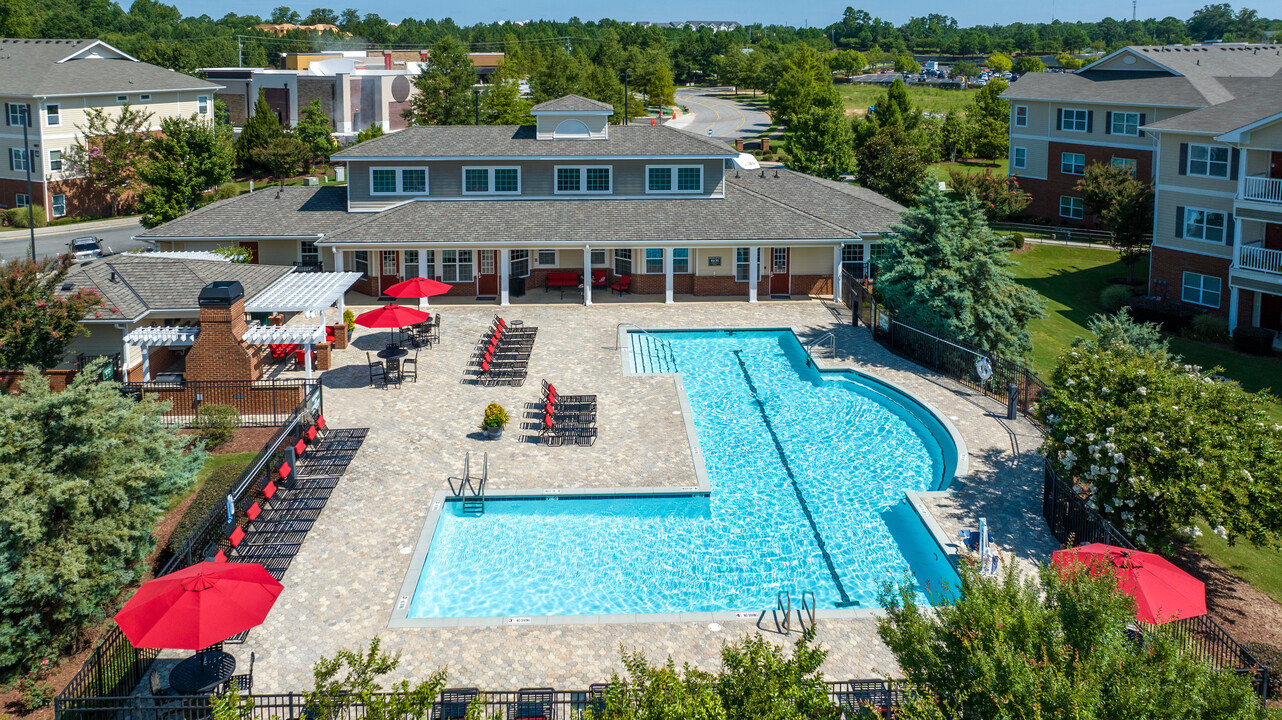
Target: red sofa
[[561, 281]]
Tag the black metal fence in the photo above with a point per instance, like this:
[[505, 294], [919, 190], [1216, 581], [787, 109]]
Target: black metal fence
[[1071, 520], [951, 357], [264, 403], [115, 667], [112, 370], [880, 696]]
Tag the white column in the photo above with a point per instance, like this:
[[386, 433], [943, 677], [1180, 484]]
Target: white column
[[1237, 242], [307, 359], [146, 363], [1233, 303], [338, 267], [836, 272], [667, 275], [587, 275], [422, 272], [753, 271], [505, 269], [1241, 173]]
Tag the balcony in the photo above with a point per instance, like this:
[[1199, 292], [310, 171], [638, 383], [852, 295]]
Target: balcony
[[1261, 259], [1260, 188]]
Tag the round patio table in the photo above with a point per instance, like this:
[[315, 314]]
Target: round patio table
[[202, 673], [393, 352]]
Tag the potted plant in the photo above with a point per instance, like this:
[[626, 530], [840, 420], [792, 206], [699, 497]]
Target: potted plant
[[495, 419]]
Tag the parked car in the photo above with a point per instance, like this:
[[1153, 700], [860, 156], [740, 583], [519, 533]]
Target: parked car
[[85, 248]]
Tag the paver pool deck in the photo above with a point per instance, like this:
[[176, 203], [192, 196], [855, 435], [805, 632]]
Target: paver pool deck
[[340, 589]]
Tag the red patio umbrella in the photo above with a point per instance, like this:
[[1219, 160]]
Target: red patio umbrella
[[1162, 591], [417, 288], [391, 316], [198, 606]]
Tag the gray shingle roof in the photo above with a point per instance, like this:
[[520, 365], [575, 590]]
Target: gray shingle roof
[[572, 103], [467, 141], [297, 212], [33, 68], [1107, 86], [142, 283], [1215, 60], [1257, 98], [790, 207]]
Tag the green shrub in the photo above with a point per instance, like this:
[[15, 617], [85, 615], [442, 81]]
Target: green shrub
[[227, 190], [349, 319], [210, 494], [18, 216], [1209, 328], [1114, 296], [1172, 316], [1253, 340], [1269, 656], [215, 424], [1018, 239]]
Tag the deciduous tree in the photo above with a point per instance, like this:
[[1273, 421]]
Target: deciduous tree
[[282, 156], [989, 115], [1029, 64], [36, 322], [889, 163], [190, 157], [316, 131], [998, 196], [819, 143], [947, 273], [905, 64], [502, 104], [1125, 204], [108, 150], [444, 87], [1000, 62], [806, 84]]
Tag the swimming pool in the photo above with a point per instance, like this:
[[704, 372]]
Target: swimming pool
[[807, 472]]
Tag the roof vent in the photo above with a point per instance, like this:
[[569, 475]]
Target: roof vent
[[763, 173], [220, 294], [113, 275], [67, 287], [776, 172]]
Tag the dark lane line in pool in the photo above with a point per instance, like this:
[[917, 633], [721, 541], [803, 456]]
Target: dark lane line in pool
[[823, 547]]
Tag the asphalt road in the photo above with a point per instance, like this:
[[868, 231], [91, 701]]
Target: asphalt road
[[17, 243], [728, 119]]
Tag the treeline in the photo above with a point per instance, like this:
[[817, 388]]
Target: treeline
[[158, 33]]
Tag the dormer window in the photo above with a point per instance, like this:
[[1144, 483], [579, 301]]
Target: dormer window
[[571, 129]]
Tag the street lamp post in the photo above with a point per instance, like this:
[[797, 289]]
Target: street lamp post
[[476, 104], [625, 77], [24, 111]]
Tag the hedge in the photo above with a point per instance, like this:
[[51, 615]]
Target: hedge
[[211, 494]]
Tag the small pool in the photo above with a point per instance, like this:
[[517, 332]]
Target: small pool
[[807, 473]]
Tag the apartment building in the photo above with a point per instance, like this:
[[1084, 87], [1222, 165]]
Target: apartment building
[[1062, 122], [49, 86]]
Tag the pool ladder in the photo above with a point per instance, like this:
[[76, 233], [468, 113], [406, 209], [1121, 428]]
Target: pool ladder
[[806, 611], [827, 338], [472, 489]]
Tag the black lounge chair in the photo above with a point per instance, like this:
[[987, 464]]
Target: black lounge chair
[[452, 704], [532, 704]]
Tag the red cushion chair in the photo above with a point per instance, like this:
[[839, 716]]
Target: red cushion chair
[[600, 278], [622, 285]]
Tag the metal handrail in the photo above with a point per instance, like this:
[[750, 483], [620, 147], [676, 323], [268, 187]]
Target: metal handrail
[[783, 601], [810, 346], [643, 330], [808, 606]]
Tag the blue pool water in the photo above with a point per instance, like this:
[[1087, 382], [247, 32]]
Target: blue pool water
[[807, 473]]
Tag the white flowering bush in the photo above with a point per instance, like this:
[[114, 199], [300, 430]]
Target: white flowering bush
[[1158, 444]]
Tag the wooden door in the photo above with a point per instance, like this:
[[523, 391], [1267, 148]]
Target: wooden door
[[389, 269], [487, 276], [1275, 164], [252, 247], [780, 278]]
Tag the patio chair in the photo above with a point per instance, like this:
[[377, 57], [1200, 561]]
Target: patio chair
[[157, 689], [600, 278], [376, 370], [394, 371], [622, 285], [409, 368], [244, 683], [452, 704], [435, 335], [532, 704], [165, 703]]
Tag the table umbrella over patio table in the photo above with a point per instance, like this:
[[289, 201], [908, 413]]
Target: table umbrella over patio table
[[417, 288], [1162, 592], [198, 606], [391, 316]]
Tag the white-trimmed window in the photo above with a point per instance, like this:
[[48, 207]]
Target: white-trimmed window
[[584, 179], [545, 258], [20, 200], [623, 261], [488, 259], [681, 261], [852, 253], [1128, 164], [1072, 163], [411, 264], [144, 98], [18, 159], [1019, 158], [456, 266], [653, 260], [308, 253], [1071, 207], [122, 98], [360, 262], [1201, 289], [1207, 225], [491, 181], [55, 161], [53, 114], [391, 265], [1208, 161], [599, 258], [398, 181], [16, 112], [1125, 123], [58, 203], [1021, 116], [202, 104], [674, 178], [520, 263], [428, 258], [1075, 120], [743, 264]]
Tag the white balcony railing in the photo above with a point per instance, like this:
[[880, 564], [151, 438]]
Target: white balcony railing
[[1254, 257], [1262, 189]]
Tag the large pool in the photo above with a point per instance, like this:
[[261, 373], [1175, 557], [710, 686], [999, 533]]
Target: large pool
[[807, 472]]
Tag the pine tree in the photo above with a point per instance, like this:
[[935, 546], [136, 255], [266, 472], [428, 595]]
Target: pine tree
[[316, 130], [444, 87], [188, 158], [948, 274], [260, 128]]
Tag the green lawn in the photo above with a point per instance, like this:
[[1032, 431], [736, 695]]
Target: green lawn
[[928, 99], [1261, 567], [970, 167]]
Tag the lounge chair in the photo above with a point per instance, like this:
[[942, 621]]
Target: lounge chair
[[452, 704], [532, 704]]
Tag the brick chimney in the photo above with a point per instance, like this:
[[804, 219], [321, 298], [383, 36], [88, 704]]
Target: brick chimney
[[219, 353]]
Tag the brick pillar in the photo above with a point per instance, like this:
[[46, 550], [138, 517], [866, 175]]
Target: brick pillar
[[219, 353], [340, 336]]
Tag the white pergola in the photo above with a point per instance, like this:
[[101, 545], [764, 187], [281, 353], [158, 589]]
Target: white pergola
[[309, 336], [305, 292], [149, 337]]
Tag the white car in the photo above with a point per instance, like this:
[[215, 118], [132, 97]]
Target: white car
[[85, 248]]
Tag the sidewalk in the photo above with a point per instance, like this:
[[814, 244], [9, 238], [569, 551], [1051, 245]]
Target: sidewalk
[[86, 228]]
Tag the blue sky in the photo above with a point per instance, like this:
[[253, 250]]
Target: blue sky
[[796, 12]]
